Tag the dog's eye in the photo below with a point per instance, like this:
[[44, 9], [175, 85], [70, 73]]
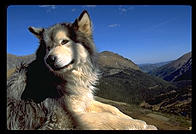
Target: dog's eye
[[63, 42]]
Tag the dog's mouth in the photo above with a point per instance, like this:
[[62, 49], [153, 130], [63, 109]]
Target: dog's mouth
[[57, 68]]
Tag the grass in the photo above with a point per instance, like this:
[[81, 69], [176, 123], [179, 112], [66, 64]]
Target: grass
[[163, 121], [10, 71]]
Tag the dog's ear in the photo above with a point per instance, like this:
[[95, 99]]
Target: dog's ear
[[38, 32], [83, 23]]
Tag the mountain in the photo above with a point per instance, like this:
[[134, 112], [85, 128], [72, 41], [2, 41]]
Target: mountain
[[112, 60], [13, 60], [177, 101], [133, 86], [147, 67], [130, 86], [122, 80], [183, 73], [176, 70]]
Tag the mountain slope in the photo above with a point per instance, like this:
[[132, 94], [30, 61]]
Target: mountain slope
[[109, 59], [149, 67], [122, 80], [13, 60], [183, 73], [176, 101], [136, 87], [181, 67], [130, 86]]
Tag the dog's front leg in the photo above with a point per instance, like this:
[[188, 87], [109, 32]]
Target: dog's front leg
[[101, 107], [103, 116]]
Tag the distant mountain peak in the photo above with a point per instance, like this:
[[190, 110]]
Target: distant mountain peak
[[175, 69], [114, 60]]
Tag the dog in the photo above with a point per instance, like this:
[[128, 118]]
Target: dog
[[55, 91]]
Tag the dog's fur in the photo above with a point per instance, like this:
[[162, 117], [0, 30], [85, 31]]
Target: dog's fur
[[55, 91]]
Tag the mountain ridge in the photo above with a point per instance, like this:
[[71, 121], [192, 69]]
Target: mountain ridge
[[147, 67], [114, 60], [175, 69]]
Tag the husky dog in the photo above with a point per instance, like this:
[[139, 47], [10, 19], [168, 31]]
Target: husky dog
[[55, 91]]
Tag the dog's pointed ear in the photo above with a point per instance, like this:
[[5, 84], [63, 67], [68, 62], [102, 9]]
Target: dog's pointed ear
[[38, 32], [83, 23]]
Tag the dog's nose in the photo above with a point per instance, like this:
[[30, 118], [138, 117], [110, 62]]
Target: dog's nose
[[51, 59]]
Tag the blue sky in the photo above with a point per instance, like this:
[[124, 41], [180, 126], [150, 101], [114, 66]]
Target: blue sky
[[142, 33]]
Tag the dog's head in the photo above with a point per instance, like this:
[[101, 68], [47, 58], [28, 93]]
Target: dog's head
[[63, 46]]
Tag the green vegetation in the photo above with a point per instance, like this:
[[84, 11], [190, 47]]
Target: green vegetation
[[131, 86], [163, 121]]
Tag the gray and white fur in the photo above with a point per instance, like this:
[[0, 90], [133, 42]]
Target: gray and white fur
[[55, 91], [38, 96]]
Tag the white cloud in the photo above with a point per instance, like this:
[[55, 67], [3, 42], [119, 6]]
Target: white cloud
[[49, 8], [131, 8], [158, 25], [114, 25], [73, 9], [125, 9], [92, 6], [44, 5]]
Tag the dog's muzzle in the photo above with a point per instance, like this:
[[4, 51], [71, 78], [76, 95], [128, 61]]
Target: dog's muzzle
[[52, 62]]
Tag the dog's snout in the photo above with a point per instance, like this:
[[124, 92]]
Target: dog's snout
[[51, 59]]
